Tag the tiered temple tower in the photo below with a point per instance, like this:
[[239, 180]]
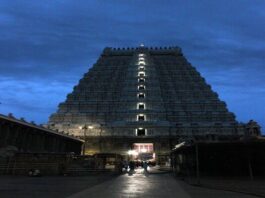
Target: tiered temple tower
[[145, 100]]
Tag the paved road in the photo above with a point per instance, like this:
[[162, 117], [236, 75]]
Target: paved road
[[47, 186], [151, 186]]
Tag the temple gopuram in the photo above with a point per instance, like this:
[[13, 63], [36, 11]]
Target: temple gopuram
[[142, 102]]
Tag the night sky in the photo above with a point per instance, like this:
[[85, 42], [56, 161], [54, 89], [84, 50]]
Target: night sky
[[46, 46]]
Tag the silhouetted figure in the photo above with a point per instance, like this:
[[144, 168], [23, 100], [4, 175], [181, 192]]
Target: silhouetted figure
[[131, 165], [145, 165]]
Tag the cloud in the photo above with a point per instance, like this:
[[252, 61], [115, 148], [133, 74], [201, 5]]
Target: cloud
[[34, 100]]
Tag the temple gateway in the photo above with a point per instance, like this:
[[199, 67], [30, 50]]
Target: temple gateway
[[142, 102]]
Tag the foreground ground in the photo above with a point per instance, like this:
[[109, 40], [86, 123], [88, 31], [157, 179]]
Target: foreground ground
[[153, 185]]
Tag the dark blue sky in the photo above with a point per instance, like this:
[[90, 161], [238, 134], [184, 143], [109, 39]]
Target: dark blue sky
[[47, 45]]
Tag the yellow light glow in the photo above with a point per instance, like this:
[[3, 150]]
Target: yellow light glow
[[90, 127], [143, 147], [143, 150], [132, 152]]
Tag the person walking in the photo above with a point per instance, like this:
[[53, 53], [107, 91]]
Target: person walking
[[145, 166], [131, 166]]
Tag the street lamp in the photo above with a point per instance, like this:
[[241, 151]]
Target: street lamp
[[100, 135], [85, 127]]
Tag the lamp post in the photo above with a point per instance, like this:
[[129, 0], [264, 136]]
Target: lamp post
[[84, 147], [100, 133], [85, 127]]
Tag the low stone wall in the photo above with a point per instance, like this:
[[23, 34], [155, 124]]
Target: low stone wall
[[59, 164], [23, 163]]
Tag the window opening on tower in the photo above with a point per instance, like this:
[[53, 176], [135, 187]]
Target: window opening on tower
[[141, 117], [141, 68], [141, 63], [141, 95], [140, 132], [141, 87], [141, 74], [141, 80], [141, 106]]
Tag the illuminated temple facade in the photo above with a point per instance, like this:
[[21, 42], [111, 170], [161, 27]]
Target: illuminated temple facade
[[144, 99]]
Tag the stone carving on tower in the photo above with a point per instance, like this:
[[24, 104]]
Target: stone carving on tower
[[253, 129]]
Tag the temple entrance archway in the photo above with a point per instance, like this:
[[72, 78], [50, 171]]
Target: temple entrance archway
[[144, 151]]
